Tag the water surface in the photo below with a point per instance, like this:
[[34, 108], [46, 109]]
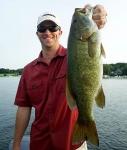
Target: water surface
[[111, 121]]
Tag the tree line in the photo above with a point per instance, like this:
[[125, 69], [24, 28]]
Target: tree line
[[5, 72], [118, 69]]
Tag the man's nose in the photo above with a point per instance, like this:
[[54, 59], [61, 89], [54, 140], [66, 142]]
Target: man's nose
[[47, 31]]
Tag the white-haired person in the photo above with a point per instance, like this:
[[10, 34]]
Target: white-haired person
[[42, 86]]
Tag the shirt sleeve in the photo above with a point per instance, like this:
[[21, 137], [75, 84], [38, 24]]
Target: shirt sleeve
[[21, 98]]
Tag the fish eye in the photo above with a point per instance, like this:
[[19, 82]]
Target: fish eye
[[83, 11], [74, 21]]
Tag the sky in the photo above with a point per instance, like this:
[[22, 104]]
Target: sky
[[19, 44]]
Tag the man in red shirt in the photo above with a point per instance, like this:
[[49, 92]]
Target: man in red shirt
[[42, 86]]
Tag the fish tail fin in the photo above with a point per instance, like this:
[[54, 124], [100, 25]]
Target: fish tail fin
[[85, 132]]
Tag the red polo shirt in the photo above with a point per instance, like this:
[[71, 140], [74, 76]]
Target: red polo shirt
[[42, 86]]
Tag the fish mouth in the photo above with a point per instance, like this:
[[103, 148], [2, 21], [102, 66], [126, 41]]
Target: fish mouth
[[84, 10]]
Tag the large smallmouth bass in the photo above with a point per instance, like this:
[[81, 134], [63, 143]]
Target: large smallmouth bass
[[85, 71]]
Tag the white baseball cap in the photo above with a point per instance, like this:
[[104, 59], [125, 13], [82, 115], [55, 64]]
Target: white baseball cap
[[48, 16]]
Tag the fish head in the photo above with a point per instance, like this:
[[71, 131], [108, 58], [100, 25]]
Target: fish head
[[82, 24]]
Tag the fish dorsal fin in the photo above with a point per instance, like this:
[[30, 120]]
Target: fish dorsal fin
[[70, 99], [100, 98], [103, 51]]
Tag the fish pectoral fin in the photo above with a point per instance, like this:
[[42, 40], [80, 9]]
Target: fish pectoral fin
[[93, 44], [92, 49], [85, 132], [100, 98], [103, 51], [70, 99]]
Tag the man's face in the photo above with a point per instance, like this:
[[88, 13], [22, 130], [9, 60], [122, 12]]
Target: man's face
[[49, 33]]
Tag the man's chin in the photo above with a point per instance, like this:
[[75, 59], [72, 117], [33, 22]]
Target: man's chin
[[48, 46]]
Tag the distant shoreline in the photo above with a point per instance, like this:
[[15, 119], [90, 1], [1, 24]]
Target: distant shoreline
[[8, 75], [104, 76], [114, 77]]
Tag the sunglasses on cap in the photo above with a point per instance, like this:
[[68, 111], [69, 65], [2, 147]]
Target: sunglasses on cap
[[50, 28]]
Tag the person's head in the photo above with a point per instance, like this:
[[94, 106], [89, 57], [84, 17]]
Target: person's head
[[48, 30]]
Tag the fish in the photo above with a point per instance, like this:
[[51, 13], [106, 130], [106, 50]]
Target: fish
[[84, 74]]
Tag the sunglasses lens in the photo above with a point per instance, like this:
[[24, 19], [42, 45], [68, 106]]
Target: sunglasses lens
[[53, 28], [50, 28], [41, 29]]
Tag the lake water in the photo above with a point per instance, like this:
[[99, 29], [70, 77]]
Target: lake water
[[111, 121]]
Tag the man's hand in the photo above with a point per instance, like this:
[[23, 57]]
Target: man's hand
[[99, 16]]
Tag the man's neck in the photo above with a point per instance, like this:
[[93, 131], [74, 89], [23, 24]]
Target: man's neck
[[50, 53]]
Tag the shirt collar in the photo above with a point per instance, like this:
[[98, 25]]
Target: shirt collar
[[61, 52]]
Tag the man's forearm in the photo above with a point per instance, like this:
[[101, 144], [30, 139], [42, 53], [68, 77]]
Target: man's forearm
[[22, 120]]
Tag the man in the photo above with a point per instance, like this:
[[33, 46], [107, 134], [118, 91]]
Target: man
[[42, 86]]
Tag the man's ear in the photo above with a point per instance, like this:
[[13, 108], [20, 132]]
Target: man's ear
[[37, 33], [61, 32]]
